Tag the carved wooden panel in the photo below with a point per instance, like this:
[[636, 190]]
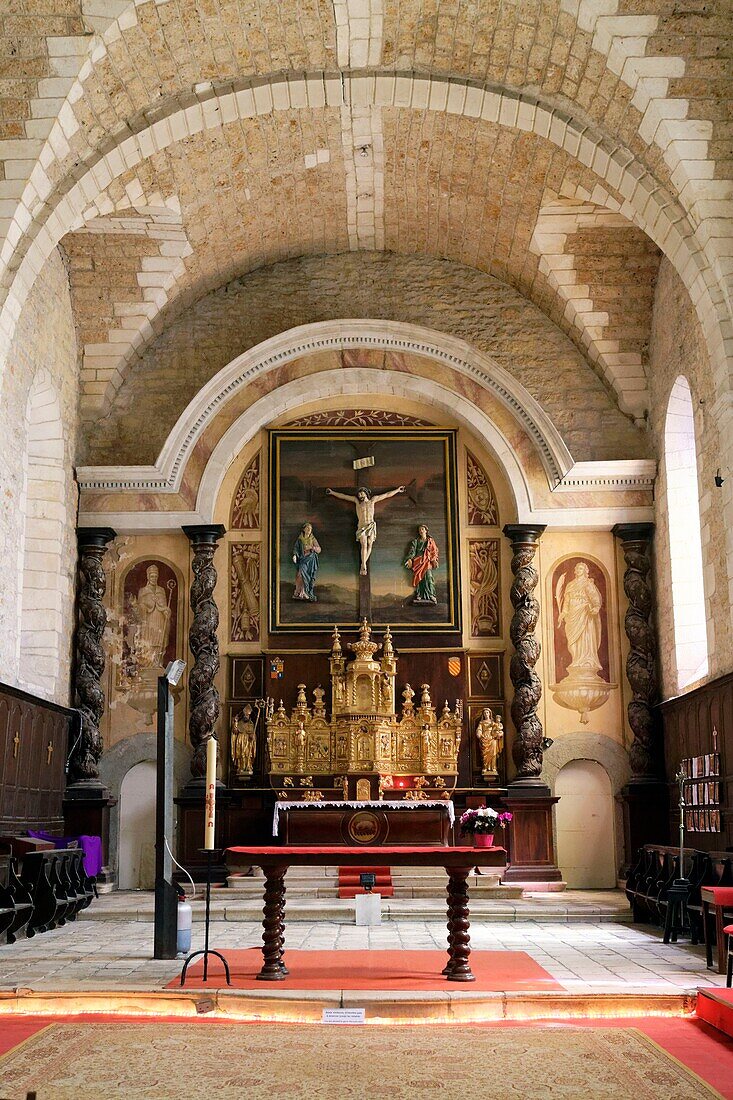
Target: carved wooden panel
[[482, 507], [34, 742], [485, 676], [245, 679], [483, 557], [244, 575], [246, 503], [696, 724]]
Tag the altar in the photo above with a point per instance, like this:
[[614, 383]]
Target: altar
[[364, 822]]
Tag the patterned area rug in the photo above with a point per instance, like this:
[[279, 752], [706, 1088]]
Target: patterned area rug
[[195, 1060]]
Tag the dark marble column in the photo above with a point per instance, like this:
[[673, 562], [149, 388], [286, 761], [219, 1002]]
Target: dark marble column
[[91, 619], [203, 642], [527, 747], [645, 798]]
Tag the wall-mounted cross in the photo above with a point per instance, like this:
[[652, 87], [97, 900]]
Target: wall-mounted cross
[[16, 742], [49, 752]]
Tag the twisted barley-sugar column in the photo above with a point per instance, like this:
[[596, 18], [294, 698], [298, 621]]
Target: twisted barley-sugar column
[[527, 746], [641, 663], [89, 654], [203, 642], [273, 942]]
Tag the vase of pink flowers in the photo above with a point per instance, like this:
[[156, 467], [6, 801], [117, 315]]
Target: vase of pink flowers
[[481, 824]]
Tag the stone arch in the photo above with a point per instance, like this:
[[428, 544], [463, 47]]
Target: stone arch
[[46, 588], [120, 759], [640, 197], [685, 541], [597, 747]]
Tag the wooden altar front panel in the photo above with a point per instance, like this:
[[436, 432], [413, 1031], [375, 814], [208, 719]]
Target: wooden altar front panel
[[34, 742], [336, 826]]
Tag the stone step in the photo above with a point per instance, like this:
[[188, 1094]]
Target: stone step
[[335, 910]]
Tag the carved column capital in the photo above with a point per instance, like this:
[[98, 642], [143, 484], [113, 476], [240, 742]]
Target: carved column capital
[[527, 747], [91, 620], [641, 663], [203, 641]]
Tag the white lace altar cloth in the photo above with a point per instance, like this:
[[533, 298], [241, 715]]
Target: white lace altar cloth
[[407, 804]]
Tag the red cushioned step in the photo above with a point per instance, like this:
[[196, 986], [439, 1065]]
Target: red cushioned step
[[350, 884], [715, 1007]]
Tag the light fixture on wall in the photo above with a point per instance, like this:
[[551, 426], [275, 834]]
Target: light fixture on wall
[[719, 479], [174, 672]]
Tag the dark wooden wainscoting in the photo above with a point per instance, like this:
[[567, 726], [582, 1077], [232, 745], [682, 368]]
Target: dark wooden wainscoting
[[34, 742], [689, 722]]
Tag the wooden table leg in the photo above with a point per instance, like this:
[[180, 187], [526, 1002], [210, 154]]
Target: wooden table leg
[[707, 939], [283, 967], [273, 924], [458, 925], [720, 938], [448, 968]]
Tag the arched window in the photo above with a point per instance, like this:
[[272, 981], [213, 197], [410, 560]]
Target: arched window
[[46, 585], [685, 544]]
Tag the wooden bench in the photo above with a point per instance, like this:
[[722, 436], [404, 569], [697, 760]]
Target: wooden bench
[[15, 898], [41, 889], [655, 869]]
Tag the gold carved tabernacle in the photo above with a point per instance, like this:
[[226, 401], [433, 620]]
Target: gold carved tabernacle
[[364, 737]]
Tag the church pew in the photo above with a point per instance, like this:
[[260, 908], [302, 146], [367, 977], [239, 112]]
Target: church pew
[[13, 895], [654, 870], [58, 887]]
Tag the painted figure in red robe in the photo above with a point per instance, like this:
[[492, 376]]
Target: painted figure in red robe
[[422, 559]]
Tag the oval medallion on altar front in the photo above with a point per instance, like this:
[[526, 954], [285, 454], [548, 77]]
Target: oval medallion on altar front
[[363, 827]]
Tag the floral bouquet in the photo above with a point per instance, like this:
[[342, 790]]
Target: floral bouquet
[[483, 820]]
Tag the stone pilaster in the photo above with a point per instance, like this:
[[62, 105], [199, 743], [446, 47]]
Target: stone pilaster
[[527, 747], [89, 661], [203, 642]]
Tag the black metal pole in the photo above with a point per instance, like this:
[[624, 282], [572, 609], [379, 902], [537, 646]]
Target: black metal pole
[[166, 896]]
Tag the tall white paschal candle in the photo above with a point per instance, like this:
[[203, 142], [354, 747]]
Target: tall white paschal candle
[[210, 812]]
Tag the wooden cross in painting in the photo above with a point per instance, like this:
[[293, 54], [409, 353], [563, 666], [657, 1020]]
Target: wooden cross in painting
[[364, 500]]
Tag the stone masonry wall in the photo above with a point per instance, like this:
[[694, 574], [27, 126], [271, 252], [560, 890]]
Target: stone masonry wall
[[677, 348], [441, 295], [43, 358]]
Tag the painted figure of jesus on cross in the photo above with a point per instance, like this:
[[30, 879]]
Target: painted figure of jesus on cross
[[366, 524]]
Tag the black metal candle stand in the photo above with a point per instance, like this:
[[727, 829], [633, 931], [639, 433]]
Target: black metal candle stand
[[206, 951]]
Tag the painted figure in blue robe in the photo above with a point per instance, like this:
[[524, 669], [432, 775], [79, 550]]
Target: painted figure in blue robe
[[305, 559]]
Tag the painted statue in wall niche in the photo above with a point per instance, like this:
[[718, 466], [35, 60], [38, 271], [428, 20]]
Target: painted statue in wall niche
[[366, 524], [482, 509], [150, 615], [579, 605], [149, 632], [246, 505], [580, 636], [422, 558], [245, 591], [483, 558], [305, 558], [243, 742]]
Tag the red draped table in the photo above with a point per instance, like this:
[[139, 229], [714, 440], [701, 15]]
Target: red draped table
[[274, 861]]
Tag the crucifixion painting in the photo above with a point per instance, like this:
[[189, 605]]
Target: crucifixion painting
[[366, 524], [351, 485]]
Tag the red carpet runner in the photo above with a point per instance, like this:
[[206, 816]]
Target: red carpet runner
[[349, 885], [495, 971]]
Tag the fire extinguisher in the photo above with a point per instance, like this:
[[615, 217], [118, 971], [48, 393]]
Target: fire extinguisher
[[183, 926]]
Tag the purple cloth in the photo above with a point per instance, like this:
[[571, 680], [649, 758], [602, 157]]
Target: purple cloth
[[90, 845]]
